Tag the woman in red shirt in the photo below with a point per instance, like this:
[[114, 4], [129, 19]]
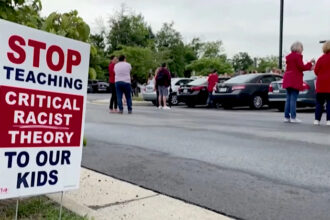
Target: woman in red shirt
[[293, 80], [322, 71]]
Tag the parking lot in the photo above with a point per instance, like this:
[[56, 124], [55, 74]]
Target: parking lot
[[244, 163]]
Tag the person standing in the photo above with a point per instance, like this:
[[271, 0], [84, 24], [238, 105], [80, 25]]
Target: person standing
[[113, 99], [123, 83], [212, 82], [163, 81], [322, 71], [293, 80]]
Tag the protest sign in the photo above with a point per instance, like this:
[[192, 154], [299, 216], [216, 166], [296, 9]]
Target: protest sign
[[43, 84]]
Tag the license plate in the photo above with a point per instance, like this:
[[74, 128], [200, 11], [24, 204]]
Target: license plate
[[276, 91], [185, 90], [223, 90]]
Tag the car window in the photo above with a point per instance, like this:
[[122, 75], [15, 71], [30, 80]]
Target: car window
[[198, 82], [278, 78], [309, 75], [267, 79], [242, 78]]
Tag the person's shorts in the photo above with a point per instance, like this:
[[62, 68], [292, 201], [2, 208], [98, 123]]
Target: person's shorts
[[163, 91]]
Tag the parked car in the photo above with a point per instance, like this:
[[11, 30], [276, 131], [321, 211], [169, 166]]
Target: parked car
[[306, 98], [98, 86], [149, 94], [195, 92], [245, 90]]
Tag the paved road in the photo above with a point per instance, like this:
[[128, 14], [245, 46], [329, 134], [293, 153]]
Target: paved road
[[246, 164]]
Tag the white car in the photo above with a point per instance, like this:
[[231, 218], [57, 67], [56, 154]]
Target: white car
[[149, 94]]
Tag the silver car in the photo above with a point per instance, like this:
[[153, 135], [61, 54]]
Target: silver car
[[149, 94]]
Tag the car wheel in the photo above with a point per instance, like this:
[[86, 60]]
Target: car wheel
[[257, 102], [174, 100]]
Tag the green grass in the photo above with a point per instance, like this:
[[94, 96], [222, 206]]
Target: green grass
[[139, 98], [36, 208]]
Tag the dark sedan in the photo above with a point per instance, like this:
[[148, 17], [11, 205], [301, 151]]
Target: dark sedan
[[195, 92], [306, 98], [245, 90]]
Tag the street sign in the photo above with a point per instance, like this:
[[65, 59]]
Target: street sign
[[43, 85]]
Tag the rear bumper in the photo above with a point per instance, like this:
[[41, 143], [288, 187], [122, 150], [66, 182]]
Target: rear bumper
[[149, 96], [233, 99], [301, 101]]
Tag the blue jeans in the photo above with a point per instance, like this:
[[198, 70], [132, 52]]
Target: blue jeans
[[124, 88], [291, 103], [321, 98]]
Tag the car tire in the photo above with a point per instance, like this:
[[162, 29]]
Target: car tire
[[174, 100], [257, 102]]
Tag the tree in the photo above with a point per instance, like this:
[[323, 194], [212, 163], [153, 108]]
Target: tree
[[99, 61], [68, 25], [204, 66], [128, 30], [143, 61], [211, 49], [267, 63], [242, 61], [169, 42], [22, 12]]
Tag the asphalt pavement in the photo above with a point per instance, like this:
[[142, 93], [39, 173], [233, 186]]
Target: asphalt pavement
[[242, 163]]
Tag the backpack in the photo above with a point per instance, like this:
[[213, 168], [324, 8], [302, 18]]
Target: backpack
[[161, 78]]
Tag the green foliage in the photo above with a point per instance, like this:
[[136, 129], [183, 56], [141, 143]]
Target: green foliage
[[266, 64], [204, 66], [242, 61], [37, 208], [99, 61], [143, 61], [211, 49], [68, 25], [128, 30], [22, 12], [169, 42]]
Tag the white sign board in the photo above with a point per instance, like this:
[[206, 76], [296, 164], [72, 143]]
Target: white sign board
[[43, 85]]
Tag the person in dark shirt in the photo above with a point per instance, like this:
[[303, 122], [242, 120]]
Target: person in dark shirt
[[163, 81]]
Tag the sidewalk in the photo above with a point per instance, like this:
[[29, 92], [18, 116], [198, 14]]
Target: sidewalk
[[101, 197]]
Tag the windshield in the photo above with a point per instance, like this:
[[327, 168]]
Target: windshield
[[309, 75], [198, 82], [241, 78]]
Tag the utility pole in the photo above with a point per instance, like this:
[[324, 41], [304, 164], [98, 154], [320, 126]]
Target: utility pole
[[281, 36]]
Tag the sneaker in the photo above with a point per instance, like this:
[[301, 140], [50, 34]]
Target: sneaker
[[316, 122], [166, 108], [328, 123], [112, 111], [286, 120], [160, 107], [120, 112], [295, 120]]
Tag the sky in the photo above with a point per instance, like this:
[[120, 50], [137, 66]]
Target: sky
[[250, 26]]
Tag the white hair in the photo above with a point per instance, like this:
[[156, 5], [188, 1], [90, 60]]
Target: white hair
[[297, 47]]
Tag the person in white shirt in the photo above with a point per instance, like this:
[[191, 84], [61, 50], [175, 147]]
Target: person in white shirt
[[123, 83]]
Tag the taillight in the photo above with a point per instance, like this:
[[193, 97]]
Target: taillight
[[306, 86], [238, 87], [196, 88], [270, 88]]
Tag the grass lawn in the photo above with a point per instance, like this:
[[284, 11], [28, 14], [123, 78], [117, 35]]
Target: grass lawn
[[35, 208]]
